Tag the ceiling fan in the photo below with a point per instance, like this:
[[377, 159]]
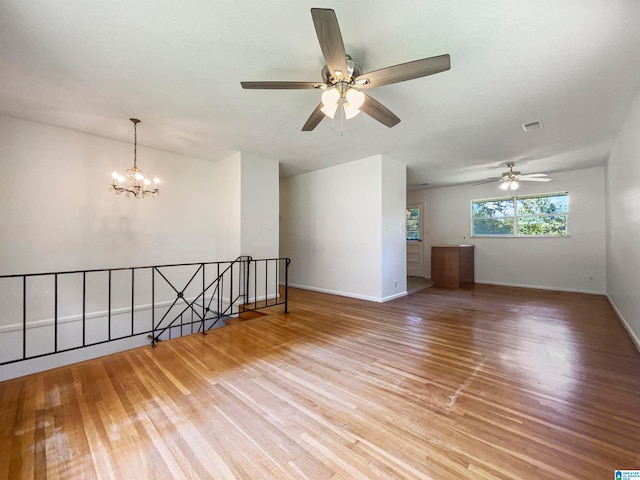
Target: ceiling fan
[[344, 80], [511, 178]]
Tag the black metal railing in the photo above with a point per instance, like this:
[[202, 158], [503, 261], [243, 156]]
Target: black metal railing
[[49, 313]]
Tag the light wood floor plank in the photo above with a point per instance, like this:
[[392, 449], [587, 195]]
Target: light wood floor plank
[[483, 382]]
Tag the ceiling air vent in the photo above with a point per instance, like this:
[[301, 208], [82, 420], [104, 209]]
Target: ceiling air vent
[[527, 127]]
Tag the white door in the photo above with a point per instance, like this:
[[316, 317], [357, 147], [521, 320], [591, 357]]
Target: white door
[[415, 249]]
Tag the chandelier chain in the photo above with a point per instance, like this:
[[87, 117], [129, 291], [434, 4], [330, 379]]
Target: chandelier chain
[[135, 144]]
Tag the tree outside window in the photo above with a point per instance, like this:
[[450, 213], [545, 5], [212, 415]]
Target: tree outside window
[[525, 216], [413, 223]]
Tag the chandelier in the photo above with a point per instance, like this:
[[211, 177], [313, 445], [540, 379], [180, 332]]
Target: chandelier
[[134, 183]]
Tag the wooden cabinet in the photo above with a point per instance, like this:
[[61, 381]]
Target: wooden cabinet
[[452, 265]]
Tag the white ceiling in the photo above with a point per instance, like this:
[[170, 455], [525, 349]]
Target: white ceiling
[[89, 65]]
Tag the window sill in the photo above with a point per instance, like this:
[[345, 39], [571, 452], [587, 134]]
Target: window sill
[[520, 236]]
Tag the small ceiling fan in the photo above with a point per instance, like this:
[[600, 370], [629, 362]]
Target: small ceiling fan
[[344, 80], [511, 178]]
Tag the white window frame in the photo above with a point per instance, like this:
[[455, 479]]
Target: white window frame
[[515, 216]]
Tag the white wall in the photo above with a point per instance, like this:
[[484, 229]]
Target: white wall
[[576, 263], [394, 238], [56, 211], [332, 228], [259, 226], [259, 207], [623, 223], [226, 206], [246, 206]]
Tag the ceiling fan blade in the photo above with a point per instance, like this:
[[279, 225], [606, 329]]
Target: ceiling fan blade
[[534, 179], [534, 175], [313, 121], [405, 71], [379, 112], [282, 85], [330, 39], [491, 180]]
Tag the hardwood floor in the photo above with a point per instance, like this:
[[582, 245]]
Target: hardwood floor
[[483, 382]]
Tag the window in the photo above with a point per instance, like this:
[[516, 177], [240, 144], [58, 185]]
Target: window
[[413, 222], [525, 216]]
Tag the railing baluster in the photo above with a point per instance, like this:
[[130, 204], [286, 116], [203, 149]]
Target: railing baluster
[[109, 310], [219, 288], [266, 282], [55, 314], [153, 307], [276, 283], [133, 285], [246, 279], [24, 317], [84, 308], [255, 285], [286, 285], [219, 307], [204, 300]]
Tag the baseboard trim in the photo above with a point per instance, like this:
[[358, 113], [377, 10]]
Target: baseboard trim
[[625, 324], [340, 293], [62, 359], [393, 297], [540, 287]]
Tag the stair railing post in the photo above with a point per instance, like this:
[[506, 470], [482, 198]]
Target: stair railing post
[[246, 278], [153, 307], [204, 301], [286, 285]]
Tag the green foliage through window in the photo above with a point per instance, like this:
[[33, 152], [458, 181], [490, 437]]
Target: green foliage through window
[[413, 223], [526, 216]]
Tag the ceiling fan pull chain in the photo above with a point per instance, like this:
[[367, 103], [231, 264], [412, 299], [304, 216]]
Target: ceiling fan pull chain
[[341, 108]]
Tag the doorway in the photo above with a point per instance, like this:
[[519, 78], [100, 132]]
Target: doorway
[[415, 248]]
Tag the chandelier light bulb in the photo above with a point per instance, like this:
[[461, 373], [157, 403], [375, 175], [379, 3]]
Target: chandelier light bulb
[[156, 180], [504, 185], [514, 185]]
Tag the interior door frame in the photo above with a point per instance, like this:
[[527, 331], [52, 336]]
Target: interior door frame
[[417, 245]]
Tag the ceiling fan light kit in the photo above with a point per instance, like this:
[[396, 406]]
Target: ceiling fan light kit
[[343, 78], [349, 99], [509, 185]]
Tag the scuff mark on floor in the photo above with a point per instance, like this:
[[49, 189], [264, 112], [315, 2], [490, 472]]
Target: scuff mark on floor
[[454, 397]]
